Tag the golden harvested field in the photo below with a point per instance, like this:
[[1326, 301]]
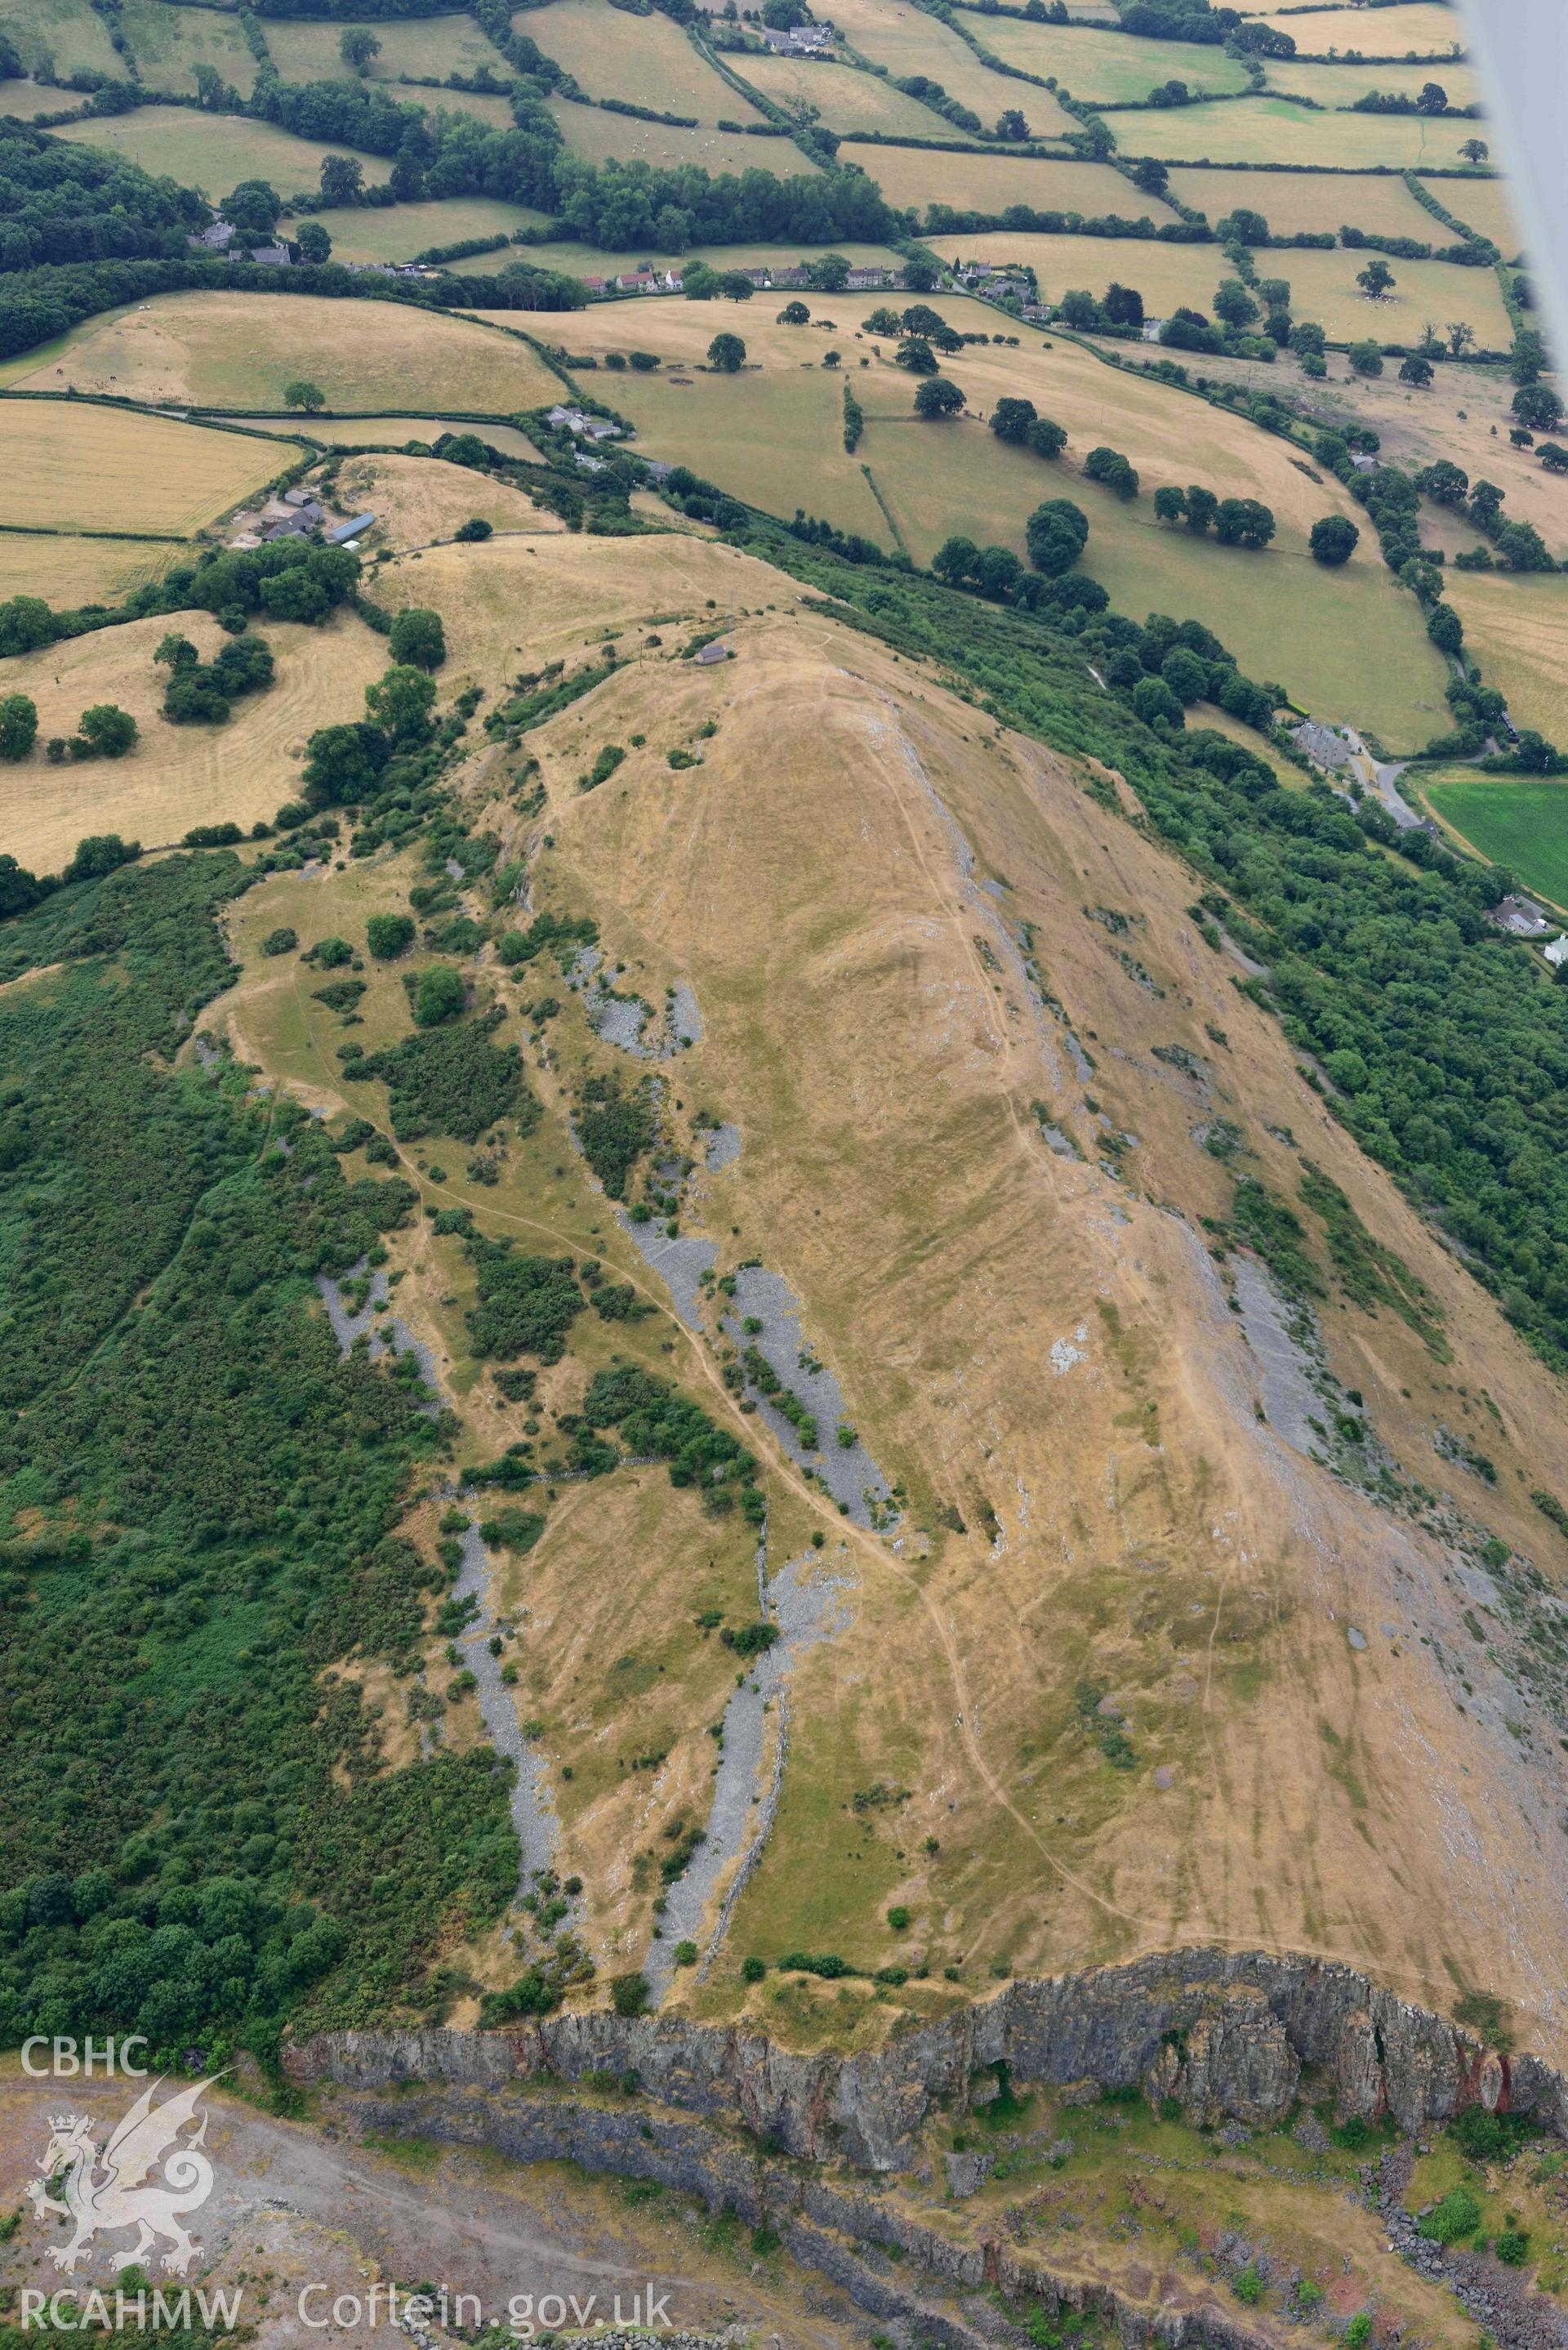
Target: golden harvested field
[[894, 33], [77, 467], [212, 151], [1341, 86], [168, 42], [845, 98], [1118, 68], [1165, 275], [416, 47], [599, 138], [67, 572], [235, 351], [972, 182], [1322, 286], [1273, 130], [649, 60], [176, 777], [61, 36], [1422, 25], [587, 260], [392, 433], [419, 499], [1518, 630], [1377, 202], [1485, 206], [399, 232]]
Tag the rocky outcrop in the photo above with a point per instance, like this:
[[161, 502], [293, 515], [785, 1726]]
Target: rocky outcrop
[[1228, 2035]]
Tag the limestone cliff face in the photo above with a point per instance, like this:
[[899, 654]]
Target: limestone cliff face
[[1229, 2036]]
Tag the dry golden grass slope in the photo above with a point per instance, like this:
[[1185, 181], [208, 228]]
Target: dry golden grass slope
[[1034, 1347], [418, 500], [176, 777]]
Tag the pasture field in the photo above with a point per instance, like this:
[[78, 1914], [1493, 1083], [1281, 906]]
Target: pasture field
[[1265, 130], [589, 261], [391, 432], [169, 43], [1322, 286], [1423, 26], [176, 777], [212, 151], [1118, 68], [413, 47], [1485, 206], [67, 572], [600, 138], [1521, 823], [21, 98], [419, 500], [972, 182], [648, 59], [398, 232], [1293, 202], [55, 37], [239, 350], [77, 467], [1165, 275], [1517, 629], [1341, 84], [844, 98], [894, 33], [1345, 644]]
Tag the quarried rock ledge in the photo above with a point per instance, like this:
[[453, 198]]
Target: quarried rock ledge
[[1228, 2035]]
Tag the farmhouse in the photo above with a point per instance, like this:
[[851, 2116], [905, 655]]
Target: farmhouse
[[1323, 746], [1522, 917], [800, 41]]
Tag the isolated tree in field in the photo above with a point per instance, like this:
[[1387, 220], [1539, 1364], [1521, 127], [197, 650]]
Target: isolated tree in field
[[1113, 471], [315, 245], [1010, 420], [1124, 306], [1538, 407], [1417, 370], [358, 48], [919, 319], [1552, 455], [1462, 337], [1366, 358], [1375, 279], [1234, 304], [1011, 124], [303, 393], [104, 732], [388, 935], [1334, 540], [734, 286], [18, 725], [469, 533], [1057, 535], [1475, 151], [727, 354], [342, 180], [1243, 522], [938, 397], [1433, 99], [1169, 504], [400, 701], [796, 314], [915, 354], [1047, 438], [417, 635]]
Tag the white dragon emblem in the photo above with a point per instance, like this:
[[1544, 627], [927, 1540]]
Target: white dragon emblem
[[119, 2195]]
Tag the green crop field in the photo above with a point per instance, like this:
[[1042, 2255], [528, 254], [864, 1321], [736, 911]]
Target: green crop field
[[843, 98], [55, 37], [1342, 85], [212, 151], [169, 43], [648, 59], [1117, 67], [1422, 25], [1523, 826], [1291, 202], [416, 47], [1262, 131], [1485, 206], [971, 181], [399, 232], [597, 136], [895, 33]]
